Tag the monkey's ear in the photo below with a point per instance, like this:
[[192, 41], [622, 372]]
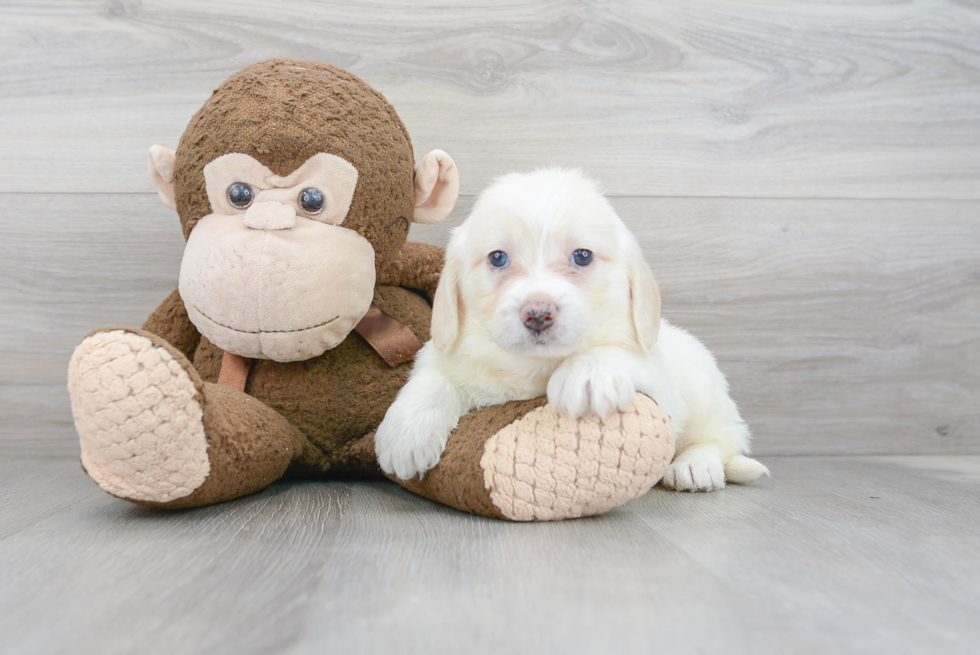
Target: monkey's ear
[[161, 167], [436, 187]]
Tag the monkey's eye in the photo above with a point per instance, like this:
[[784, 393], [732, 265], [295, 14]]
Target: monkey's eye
[[498, 259], [312, 200], [582, 257], [240, 195]]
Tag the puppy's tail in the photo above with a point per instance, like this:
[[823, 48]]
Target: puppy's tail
[[744, 470]]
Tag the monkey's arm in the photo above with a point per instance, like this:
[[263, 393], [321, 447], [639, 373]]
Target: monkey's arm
[[417, 266], [171, 322]]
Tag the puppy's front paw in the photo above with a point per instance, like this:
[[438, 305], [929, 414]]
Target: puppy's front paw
[[697, 469], [588, 384], [409, 443]]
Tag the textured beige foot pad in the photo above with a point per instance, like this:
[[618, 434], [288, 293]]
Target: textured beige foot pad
[[139, 417], [522, 461], [546, 466]]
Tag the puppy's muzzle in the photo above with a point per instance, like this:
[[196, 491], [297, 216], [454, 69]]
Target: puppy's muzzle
[[539, 312]]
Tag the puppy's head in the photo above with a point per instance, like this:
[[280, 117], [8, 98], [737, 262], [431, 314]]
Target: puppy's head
[[545, 266]]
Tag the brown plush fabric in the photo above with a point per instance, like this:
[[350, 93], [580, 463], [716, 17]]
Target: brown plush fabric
[[336, 398], [406, 309], [250, 446], [457, 480], [417, 266], [282, 112], [359, 462], [170, 321]]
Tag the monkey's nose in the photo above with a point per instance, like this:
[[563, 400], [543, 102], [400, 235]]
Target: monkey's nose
[[270, 215], [539, 312]]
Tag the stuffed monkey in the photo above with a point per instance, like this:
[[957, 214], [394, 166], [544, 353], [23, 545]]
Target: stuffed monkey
[[299, 308]]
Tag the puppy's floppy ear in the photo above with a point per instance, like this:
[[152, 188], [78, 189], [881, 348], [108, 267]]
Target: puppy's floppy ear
[[161, 167], [436, 187], [446, 305], [644, 300]]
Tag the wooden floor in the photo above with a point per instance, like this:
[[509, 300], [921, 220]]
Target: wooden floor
[[804, 178], [831, 555]]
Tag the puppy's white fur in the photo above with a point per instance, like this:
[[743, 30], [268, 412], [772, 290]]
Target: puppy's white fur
[[606, 341]]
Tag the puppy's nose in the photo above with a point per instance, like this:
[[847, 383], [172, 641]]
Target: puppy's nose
[[539, 312]]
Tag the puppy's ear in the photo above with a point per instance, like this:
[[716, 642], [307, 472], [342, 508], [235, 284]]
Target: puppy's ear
[[436, 187], [644, 300], [161, 168], [445, 305]]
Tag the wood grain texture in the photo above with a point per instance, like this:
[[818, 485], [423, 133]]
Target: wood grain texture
[[848, 555], [768, 98], [804, 178], [845, 327]]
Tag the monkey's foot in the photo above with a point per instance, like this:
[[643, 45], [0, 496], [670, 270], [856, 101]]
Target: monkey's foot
[[548, 466], [523, 461], [138, 409]]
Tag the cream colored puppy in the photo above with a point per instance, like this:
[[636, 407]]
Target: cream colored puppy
[[546, 291]]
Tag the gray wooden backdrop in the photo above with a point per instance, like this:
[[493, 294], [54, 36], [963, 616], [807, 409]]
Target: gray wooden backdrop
[[804, 178]]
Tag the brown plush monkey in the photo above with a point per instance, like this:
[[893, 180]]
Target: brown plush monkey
[[299, 307]]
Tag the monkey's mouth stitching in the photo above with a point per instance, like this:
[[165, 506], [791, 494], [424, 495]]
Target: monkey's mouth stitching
[[228, 327]]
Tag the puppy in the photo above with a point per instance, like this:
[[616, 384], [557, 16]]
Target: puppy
[[546, 291]]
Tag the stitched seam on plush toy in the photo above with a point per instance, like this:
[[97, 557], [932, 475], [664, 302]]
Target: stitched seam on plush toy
[[228, 327]]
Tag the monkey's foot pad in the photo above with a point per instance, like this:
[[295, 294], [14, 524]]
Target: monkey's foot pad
[[139, 416], [547, 466]]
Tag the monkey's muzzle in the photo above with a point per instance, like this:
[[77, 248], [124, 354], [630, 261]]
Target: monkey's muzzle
[[285, 294]]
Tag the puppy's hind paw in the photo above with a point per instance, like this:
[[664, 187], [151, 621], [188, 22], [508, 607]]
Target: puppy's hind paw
[[698, 469]]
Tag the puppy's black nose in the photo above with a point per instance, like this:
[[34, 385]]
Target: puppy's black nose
[[539, 312]]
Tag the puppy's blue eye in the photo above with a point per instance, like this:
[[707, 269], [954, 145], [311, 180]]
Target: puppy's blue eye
[[498, 259], [582, 257], [240, 195]]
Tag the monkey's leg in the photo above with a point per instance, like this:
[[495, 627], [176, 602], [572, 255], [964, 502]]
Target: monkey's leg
[[153, 433], [523, 461]]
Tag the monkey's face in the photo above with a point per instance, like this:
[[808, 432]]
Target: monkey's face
[[272, 272]]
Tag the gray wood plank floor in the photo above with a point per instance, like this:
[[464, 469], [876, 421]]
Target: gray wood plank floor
[[849, 555]]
